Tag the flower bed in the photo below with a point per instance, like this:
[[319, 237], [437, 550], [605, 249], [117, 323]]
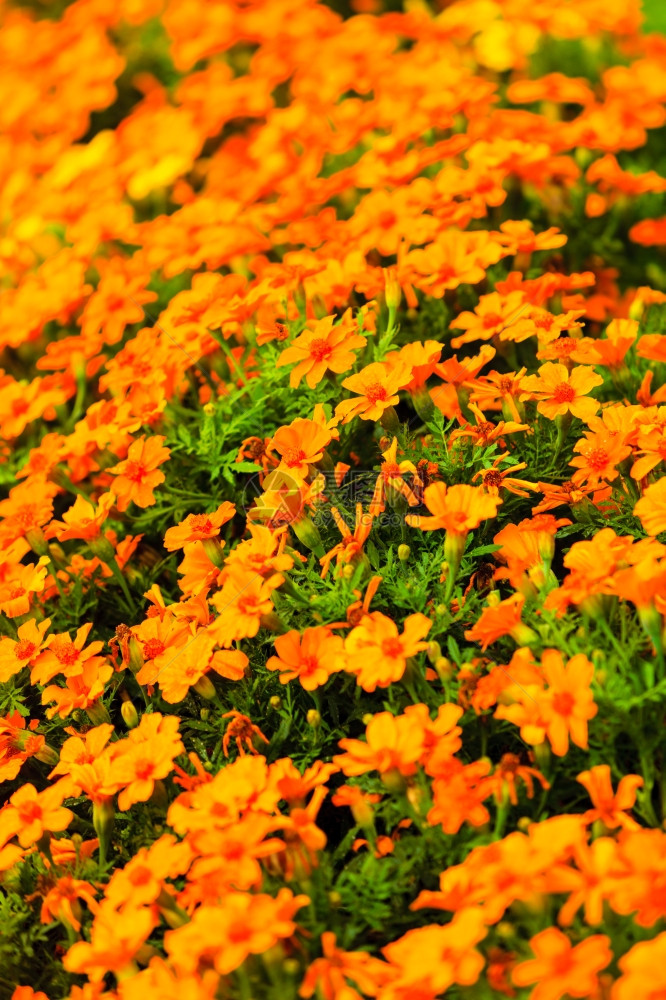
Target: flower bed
[[332, 431]]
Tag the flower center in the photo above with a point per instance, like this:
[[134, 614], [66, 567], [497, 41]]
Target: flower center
[[320, 350], [30, 811], [135, 471], [201, 522], [564, 393], [66, 652], [492, 319], [505, 384], [16, 592], [392, 648], [143, 769], [24, 649], [293, 457], [598, 459], [375, 392], [564, 346], [492, 478], [153, 648], [544, 322], [563, 703]]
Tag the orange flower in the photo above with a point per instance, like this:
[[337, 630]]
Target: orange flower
[[18, 744], [81, 690], [14, 655], [377, 386], [22, 581], [329, 976], [561, 969], [146, 757], [495, 479], [311, 657], [651, 509], [428, 960], [82, 520], [198, 527], [138, 475], [30, 814], [243, 731], [62, 656], [560, 392], [610, 807], [492, 315], [377, 654], [390, 479], [224, 936], [326, 347], [457, 509], [301, 445], [393, 744], [643, 970], [599, 454], [62, 901], [561, 710], [244, 599]]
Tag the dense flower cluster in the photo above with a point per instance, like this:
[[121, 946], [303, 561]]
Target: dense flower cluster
[[332, 500]]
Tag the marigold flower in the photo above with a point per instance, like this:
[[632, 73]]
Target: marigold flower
[[300, 445], [62, 901], [138, 475], [64, 656], [504, 618], [225, 935], [610, 807], [598, 455], [25, 650], [651, 509], [561, 969], [18, 743], [325, 347], [329, 975], [377, 386], [393, 743], [643, 970], [146, 757], [243, 731], [428, 960], [82, 520], [377, 653], [456, 509], [198, 527], [560, 392], [30, 814], [311, 657]]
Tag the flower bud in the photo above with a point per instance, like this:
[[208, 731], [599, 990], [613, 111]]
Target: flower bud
[[103, 817], [392, 290], [102, 548], [307, 532], [394, 781], [275, 702], [313, 718], [404, 552], [444, 669], [204, 687], [47, 755], [35, 539], [213, 548], [97, 713], [433, 652], [129, 714]]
